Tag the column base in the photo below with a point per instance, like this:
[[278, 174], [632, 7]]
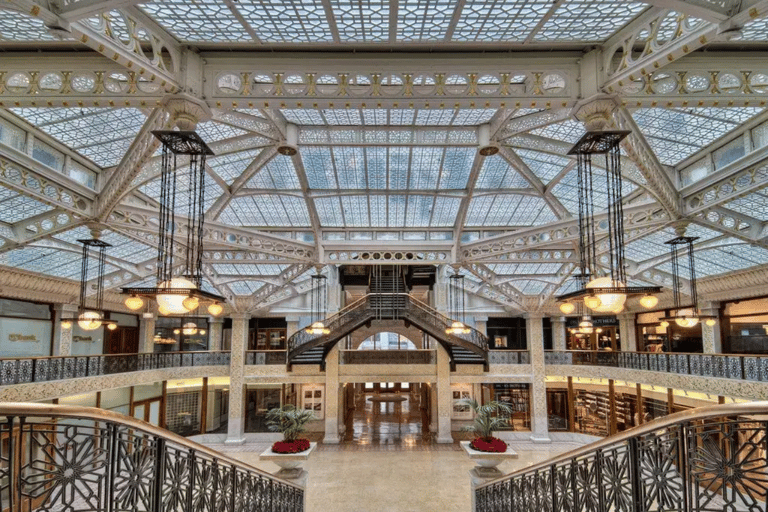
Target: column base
[[539, 439], [234, 441], [331, 439], [441, 439]]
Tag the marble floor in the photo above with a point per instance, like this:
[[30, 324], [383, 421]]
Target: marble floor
[[386, 463]]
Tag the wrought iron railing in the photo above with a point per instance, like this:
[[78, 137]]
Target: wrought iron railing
[[707, 459], [81, 459], [370, 306], [21, 370], [727, 366], [387, 357], [259, 357], [509, 357]]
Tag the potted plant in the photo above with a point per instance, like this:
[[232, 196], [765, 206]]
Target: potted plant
[[293, 450], [486, 450], [289, 421]]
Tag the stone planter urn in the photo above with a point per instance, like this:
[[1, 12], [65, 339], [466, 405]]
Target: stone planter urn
[[487, 461], [289, 462]]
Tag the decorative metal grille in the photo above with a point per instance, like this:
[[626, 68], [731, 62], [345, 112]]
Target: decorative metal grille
[[101, 465]]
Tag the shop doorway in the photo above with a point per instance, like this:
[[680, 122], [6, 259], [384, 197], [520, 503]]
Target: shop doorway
[[388, 413]]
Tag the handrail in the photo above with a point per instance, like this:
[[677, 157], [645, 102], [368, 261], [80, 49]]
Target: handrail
[[669, 443], [140, 466]]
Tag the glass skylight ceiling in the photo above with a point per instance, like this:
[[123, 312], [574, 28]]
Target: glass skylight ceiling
[[393, 117], [381, 21], [101, 134], [675, 134]]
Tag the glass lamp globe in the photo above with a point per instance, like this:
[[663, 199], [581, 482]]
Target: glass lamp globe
[[215, 309], [567, 308], [176, 331], [66, 324], [318, 328], [664, 324], [189, 328], [710, 322], [687, 321], [190, 303], [585, 326], [89, 320], [608, 301], [134, 302], [174, 303], [649, 301], [111, 327], [592, 301]]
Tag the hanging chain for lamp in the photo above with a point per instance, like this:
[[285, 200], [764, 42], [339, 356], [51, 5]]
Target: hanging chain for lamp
[[602, 291], [318, 306], [91, 318], [174, 294], [456, 305], [678, 245]]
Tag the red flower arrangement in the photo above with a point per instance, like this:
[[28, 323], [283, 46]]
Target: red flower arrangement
[[296, 446], [489, 444]]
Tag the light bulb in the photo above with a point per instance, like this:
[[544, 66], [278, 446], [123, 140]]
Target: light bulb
[[567, 308], [174, 303], [176, 331], [89, 320], [66, 324], [190, 303], [134, 302], [111, 327], [608, 301], [598, 330], [215, 309], [649, 301], [202, 332], [710, 322], [592, 301]]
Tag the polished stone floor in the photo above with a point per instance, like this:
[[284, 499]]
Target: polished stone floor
[[385, 463]]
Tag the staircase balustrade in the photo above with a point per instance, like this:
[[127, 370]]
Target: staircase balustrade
[[706, 459], [82, 459]]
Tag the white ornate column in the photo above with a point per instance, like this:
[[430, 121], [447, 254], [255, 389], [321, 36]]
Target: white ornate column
[[444, 399], [216, 328], [62, 338], [147, 333], [628, 332], [534, 329], [332, 397], [292, 325], [333, 290], [481, 324], [558, 333], [710, 334], [236, 426]]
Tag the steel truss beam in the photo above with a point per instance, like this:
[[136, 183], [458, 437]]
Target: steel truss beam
[[733, 181], [637, 219], [101, 38], [623, 65], [73, 11], [216, 235]]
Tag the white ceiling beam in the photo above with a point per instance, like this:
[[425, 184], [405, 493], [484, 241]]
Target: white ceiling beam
[[74, 11], [461, 215], [708, 11]]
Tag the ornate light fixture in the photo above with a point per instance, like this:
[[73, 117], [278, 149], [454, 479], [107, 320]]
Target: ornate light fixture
[[189, 328], [686, 316], [91, 318], [456, 305], [606, 293], [178, 295], [317, 306]]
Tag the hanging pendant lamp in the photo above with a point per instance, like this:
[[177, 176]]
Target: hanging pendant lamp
[[91, 317]]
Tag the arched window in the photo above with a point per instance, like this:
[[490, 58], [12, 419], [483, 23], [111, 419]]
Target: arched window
[[387, 341]]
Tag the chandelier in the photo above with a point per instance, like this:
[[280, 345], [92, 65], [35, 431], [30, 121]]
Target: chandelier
[[90, 319], [603, 286], [456, 305], [681, 252], [179, 294], [317, 306]]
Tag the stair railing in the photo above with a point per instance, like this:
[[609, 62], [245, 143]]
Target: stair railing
[[442, 322], [82, 459], [710, 458], [333, 322]]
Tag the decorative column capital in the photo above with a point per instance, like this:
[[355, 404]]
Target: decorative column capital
[[65, 308], [186, 111], [596, 114], [240, 316], [557, 319]]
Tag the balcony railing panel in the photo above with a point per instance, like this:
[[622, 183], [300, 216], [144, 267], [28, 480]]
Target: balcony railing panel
[[387, 357], [707, 459], [262, 357], [80, 459], [510, 357], [724, 366], [44, 369]]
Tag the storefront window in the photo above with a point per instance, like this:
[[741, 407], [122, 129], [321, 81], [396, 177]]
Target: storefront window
[[745, 327], [183, 406], [259, 400], [181, 334], [518, 396]]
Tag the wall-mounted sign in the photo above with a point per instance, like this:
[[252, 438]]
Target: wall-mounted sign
[[23, 337], [86, 339]]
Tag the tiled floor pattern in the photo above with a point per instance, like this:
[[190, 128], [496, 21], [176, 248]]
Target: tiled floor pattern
[[384, 464]]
